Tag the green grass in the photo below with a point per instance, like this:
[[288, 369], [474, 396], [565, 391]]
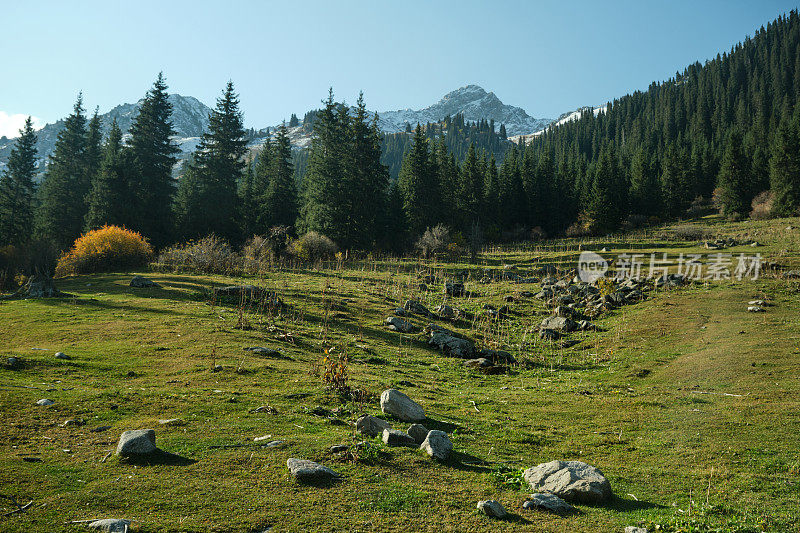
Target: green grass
[[628, 400]]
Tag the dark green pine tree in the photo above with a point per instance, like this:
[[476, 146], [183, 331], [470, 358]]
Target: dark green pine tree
[[260, 188], [323, 205], [153, 156], [294, 121], [367, 178], [418, 185], [734, 178], [279, 200], [492, 193], [471, 189], [94, 148], [606, 200], [17, 188], [247, 203], [109, 197], [209, 200], [785, 170], [62, 208], [645, 192]]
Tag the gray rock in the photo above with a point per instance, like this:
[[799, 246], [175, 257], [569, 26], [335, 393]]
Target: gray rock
[[305, 470], [549, 335], [634, 529], [548, 502], [416, 308], [137, 442], [437, 444], [451, 345], [755, 309], [371, 426], [111, 525], [446, 312], [140, 282], [558, 323], [62, 355], [759, 303], [172, 422], [395, 437], [266, 352], [397, 404], [574, 481], [44, 402], [492, 508], [399, 324], [418, 432]]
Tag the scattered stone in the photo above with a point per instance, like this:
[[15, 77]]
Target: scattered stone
[[395, 437], [371, 426], [549, 335], [634, 529], [399, 311], [446, 312], [308, 471], [760, 303], [62, 355], [263, 437], [72, 422], [492, 508], [141, 282], [44, 402], [172, 422], [450, 345], [574, 481], [558, 323], [399, 324], [395, 403], [418, 432], [548, 502], [338, 448], [137, 442], [110, 525], [437, 444], [273, 444], [416, 308], [755, 309]]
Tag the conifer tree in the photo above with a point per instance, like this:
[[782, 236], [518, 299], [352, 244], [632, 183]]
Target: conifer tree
[[153, 157], [279, 199], [418, 185], [785, 170], [61, 213], [606, 203], [645, 190], [471, 189], [17, 188], [109, 197], [209, 200], [734, 177]]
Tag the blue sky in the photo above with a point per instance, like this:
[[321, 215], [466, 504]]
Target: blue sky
[[547, 57]]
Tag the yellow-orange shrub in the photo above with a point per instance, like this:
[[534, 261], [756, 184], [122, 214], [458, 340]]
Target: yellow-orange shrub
[[106, 249]]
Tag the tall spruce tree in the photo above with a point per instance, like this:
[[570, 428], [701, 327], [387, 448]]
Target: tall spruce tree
[[17, 188], [734, 177], [109, 197], [278, 200], [153, 156], [785, 170], [471, 189], [606, 205], [418, 185], [209, 200], [62, 208]]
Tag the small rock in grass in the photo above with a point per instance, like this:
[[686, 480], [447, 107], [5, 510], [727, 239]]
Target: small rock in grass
[[72, 422], [760, 303], [141, 282], [171, 422], [305, 470], [634, 529], [62, 355], [437, 445], [492, 508], [263, 437], [399, 324], [418, 432], [137, 442], [395, 403], [44, 402], [574, 481], [217, 368], [110, 525], [755, 309], [548, 502], [395, 437], [274, 443], [371, 426]]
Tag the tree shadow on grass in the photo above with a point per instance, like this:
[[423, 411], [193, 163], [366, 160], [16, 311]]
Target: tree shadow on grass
[[158, 457]]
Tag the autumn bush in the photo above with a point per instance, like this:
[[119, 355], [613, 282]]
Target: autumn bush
[[107, 249], [209, 255]]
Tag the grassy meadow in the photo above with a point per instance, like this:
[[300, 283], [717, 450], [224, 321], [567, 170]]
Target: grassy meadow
[[689, 404]]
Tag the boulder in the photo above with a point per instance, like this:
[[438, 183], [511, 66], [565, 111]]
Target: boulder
[[141, 282], [450, 345], [62, 355], [558, 323], [418, 432], [492, 508], [308, 471], [371, 426], [137, 442], [110, 525], [755, 309], [548, 502], [574, 481], [399, 324], [446, 312], [44, 402], [437, 445], [395, 437], [397, 404], [416, 308]]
